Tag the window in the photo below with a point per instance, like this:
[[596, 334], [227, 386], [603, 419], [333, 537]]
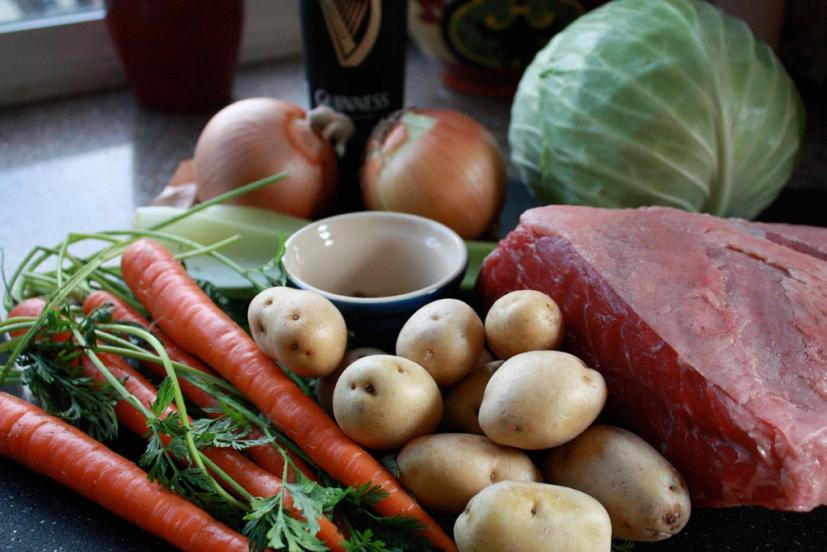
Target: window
[[15, 11], [52, 48]]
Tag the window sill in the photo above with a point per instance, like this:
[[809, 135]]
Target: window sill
[[68, 55]]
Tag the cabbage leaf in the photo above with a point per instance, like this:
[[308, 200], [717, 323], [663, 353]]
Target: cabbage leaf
[[657, 102]]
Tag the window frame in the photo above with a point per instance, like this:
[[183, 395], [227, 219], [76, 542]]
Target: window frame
[[59, 56]]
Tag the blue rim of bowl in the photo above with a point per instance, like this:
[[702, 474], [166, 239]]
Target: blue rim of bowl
[[462, 265]]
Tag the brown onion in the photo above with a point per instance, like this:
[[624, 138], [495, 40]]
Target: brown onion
[[435, 163], [252, 139]]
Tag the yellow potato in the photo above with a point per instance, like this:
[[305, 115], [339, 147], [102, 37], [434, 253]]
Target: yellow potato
[[445, 337], [444, 471], [645, 496], [326, 385], [462, 402], [517, 516], [299, 328], [383, 401], [522, 321], [541, 399]]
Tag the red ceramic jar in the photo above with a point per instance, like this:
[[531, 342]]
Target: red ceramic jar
[[178, 54]]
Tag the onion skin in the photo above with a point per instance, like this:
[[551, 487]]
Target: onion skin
[[453, 172], [255, 138]]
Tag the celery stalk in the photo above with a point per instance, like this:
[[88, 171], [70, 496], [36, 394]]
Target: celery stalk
[[259, 232], [477, 251]]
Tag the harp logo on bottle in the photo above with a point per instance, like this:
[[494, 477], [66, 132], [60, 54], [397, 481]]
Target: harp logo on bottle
[[353, 26]]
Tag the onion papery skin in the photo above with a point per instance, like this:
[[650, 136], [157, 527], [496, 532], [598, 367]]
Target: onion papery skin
[[453, 172], [255, 138]]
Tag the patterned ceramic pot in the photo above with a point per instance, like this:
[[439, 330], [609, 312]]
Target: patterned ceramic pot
[[484, 45]]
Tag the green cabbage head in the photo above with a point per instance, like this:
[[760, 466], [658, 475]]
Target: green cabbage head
[[657, 102]]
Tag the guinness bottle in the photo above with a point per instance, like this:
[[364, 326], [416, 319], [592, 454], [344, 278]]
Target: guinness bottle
[[354, 53]]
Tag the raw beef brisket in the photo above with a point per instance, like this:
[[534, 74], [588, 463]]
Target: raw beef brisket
[[712, 338]]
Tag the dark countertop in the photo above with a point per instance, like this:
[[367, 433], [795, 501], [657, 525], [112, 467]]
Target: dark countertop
[[85, 163]]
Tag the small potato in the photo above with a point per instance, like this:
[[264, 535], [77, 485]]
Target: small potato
[[445, 337], [645, 496], [444, 471], [532, 517], [522, 321], [541, 399], [326, 385], [383, 401], [462, 402], [300, 329]]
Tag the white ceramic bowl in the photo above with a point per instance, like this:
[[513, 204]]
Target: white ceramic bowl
[[377, 267]]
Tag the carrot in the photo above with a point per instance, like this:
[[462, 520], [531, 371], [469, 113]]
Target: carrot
[[260, 484], [189, 317], [65, 454], [33, 307], [250, 476], [265, 456]]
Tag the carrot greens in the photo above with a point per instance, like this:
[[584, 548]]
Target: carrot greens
[[162, 461], [52, 374], [225, 432], [268, 526]]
